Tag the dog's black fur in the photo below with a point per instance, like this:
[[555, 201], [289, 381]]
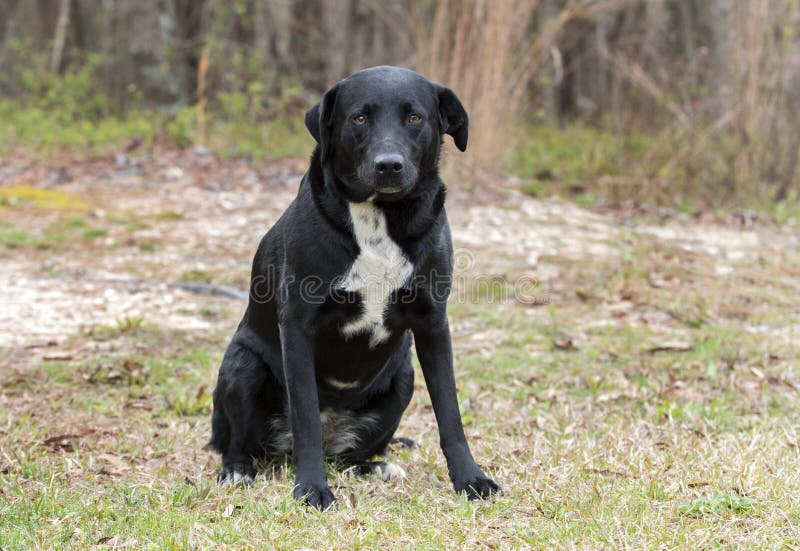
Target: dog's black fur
[[321, 363]]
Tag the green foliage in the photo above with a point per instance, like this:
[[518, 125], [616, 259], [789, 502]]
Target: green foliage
[[64, 110], [259, 125], [182, 128], [572, 154], [247, 118], [71, 95], [43, 128], [788, 209], [669, 167]]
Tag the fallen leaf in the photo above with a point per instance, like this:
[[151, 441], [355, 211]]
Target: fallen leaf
[[698, 484], [117, 462], [584, 294], [670, 346], [564, 343], [656, 281], [65, 441], [57, 356], [116, 542]]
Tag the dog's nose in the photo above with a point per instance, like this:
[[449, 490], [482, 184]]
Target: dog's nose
[[388, 162]]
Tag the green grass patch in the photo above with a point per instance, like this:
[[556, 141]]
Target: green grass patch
[[718, 503], [11, 238], [60, 234], [91, 234]]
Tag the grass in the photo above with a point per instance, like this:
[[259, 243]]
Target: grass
[[718, 503], [640, 408], [65, 228], [588, 449], [578, 469], [11, 238]]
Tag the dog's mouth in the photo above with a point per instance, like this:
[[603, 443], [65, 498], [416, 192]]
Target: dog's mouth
[[389, 190], [387, 187]]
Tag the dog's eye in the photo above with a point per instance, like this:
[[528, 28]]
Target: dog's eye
[[414, 118], [359, 119]]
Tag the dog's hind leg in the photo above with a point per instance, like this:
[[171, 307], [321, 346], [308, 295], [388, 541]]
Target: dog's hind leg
[[381, 415], [386, 470], [246, 397]]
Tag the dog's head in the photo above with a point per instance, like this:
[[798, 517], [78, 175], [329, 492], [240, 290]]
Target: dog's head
[[380, 131]]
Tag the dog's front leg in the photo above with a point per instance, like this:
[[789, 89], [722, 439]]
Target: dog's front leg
[[436, 359], [311, 483]]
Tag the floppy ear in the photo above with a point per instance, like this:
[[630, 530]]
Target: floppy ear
[[319, 120], [453, 116]]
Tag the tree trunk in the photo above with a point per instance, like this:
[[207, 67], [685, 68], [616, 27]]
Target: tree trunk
[[188, 20], [60, 36]]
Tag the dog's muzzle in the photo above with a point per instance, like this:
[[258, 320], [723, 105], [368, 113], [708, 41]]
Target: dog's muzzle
[[392, 174]]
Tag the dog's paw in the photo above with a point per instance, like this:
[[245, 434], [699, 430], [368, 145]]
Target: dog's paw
[[237, 473], [477, 487], [401, 442], [388, 471], [315, 495]]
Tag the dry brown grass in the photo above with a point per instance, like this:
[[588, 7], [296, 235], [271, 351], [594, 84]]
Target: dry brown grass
[[473, 48], [486, 51]]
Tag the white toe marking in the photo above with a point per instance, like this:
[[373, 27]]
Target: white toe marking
[[380, 269], [389, 471], [235, 477]]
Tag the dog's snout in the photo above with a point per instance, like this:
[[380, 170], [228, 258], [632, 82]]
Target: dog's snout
[[388, 162]]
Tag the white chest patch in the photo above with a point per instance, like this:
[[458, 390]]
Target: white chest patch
[[380, 269]]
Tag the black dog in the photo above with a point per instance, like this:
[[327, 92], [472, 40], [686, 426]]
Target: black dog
[[321, 363]]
